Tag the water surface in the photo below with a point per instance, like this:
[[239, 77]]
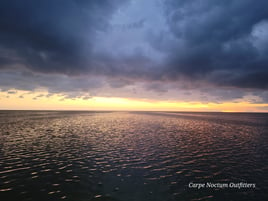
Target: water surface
[[131, 156]]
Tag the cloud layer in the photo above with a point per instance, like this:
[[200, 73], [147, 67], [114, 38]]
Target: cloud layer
[[222, 42], [210, 46]]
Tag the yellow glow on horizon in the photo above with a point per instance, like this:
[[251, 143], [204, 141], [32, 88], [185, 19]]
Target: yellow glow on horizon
[[22, 100]]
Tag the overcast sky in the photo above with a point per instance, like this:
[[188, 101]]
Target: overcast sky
[[183, 50]]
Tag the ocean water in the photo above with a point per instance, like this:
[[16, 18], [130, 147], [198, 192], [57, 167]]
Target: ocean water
[[133, 156]]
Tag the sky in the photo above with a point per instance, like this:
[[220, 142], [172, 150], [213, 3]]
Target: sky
[[170, 55]]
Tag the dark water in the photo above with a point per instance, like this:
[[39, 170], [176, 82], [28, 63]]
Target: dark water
[[132, 156]]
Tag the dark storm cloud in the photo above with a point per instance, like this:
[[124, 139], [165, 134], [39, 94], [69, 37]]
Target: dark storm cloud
[[51, 35], [218, 41], [190, 43]]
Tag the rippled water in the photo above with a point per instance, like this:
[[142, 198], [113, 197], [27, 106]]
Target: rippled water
[[131, 156]]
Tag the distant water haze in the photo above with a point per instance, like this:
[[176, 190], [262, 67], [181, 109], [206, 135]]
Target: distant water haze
[[144, 156]]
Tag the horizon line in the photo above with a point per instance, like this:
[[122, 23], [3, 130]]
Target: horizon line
[[99, 110]]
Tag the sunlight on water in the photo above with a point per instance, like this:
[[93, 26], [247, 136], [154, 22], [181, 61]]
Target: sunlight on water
[[131, 155]]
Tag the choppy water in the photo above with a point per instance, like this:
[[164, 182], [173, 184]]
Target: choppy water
[[131, 156]]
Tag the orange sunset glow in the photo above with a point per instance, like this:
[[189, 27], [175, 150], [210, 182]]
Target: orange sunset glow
[[33, 101]]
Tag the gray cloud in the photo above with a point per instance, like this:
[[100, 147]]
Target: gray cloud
[[11, 92], [205, 49], [52, 82], [52, 36], [217, 41]]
